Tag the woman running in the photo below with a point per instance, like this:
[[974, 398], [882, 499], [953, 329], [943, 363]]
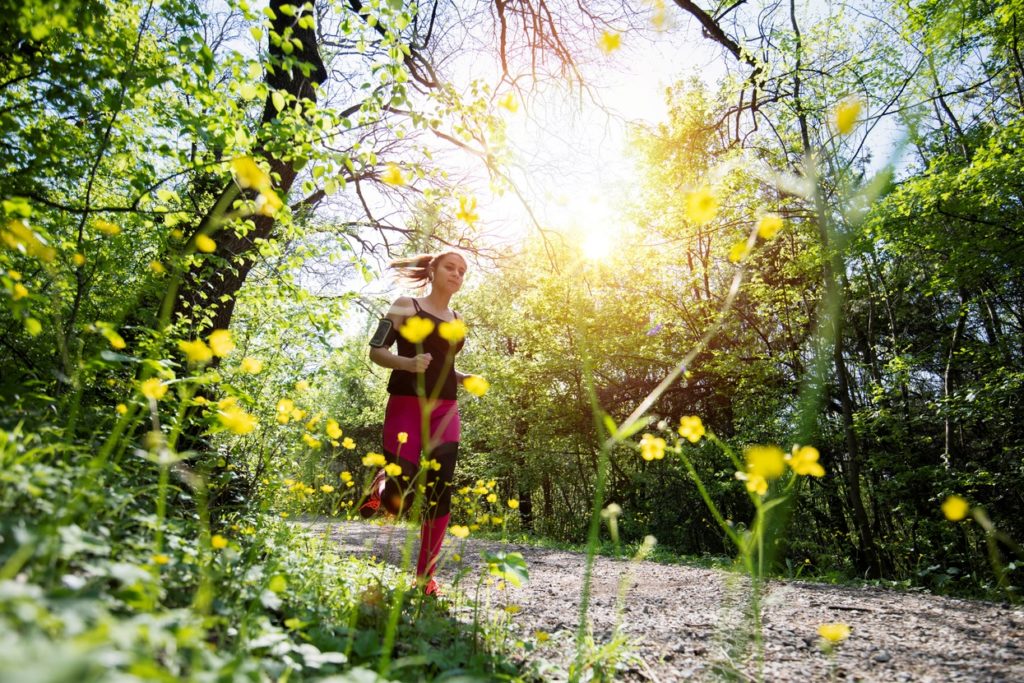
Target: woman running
[[422, 415]]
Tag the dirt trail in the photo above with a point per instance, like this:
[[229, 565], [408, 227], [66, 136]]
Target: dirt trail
[[675, 618]]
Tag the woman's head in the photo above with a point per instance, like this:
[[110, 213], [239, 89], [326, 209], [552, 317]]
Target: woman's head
[[422, 269]]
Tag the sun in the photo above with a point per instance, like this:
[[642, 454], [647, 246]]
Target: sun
[[597, 245], [590, 224]]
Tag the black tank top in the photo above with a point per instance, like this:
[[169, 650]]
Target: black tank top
[[405, 383]]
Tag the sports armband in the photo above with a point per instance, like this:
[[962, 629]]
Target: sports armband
[[385, 334]]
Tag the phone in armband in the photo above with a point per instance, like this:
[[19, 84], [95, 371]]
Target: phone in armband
[[382, 336]]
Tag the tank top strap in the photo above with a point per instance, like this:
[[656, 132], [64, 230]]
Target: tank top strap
[[416, 304]]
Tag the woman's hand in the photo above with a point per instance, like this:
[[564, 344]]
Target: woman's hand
[[419, 363]]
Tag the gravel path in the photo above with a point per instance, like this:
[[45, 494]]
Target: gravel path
[[676, 619]]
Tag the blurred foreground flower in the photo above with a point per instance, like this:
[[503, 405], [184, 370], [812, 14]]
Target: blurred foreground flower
[[691, 428], [153, 388], [766, 461], [416, 329], [392, 175], [476, 385], [453, 331], [834, 633], [652, 447], [768, 225], [847, 113], [221, 343], [609, 42], [955, 508], [701, 205], [374, 460]]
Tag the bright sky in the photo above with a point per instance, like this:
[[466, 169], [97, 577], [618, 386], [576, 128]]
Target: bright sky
[[570, 152]]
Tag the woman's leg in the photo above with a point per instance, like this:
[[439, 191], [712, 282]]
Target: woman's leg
[[437, 506]]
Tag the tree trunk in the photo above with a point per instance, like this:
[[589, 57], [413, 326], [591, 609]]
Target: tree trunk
[[214, 288]]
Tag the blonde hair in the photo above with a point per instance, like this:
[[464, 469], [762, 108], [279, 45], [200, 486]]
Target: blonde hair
[[419, 270]]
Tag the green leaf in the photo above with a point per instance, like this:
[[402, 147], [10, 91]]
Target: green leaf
[[510, 567], [278, 100]]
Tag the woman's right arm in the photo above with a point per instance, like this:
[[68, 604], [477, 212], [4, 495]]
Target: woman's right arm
[[384, 357]]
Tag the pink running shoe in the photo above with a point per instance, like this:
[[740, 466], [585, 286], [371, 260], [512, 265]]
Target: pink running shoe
[[372, 504]]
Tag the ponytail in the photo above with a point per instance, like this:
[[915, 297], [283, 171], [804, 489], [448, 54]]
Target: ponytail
[[418, 270]]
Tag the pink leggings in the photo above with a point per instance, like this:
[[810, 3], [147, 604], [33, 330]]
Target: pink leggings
[[405, 414]]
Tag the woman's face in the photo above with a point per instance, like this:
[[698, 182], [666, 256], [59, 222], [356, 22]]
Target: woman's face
[[449, 273]]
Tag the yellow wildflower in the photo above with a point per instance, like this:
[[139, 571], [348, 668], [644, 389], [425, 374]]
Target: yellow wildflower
[[19, 292], [157, 267], [609, 42], [701, 205], [374, 460], [955, 508], [196, 351], [496, 520], [107, 228], [804, 460], [219, 542], [458, 531], [302, 385], [453, 331], [847, 113], [205, 244], [250, 365], [327, 488], [153, 388], [392, 175], [509, 103], [20, 237], [766, 461], [403, 437], [492, 498], [346, 476], [121, 409], [333, 429], [284, 409], [249, 174], [311, 441], [768, 225], [268, 203], [691, 428], [348, 443], [393, 469], [236, 420], [652, 447], [467, 210], [160, 559], [513, 503], [755, 483], [739, 251], [78, 259], [476, 385], [834, 633], [221, 343], [416, 329]]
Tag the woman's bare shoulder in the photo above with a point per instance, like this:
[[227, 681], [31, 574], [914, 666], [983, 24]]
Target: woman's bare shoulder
[[402, 308]]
